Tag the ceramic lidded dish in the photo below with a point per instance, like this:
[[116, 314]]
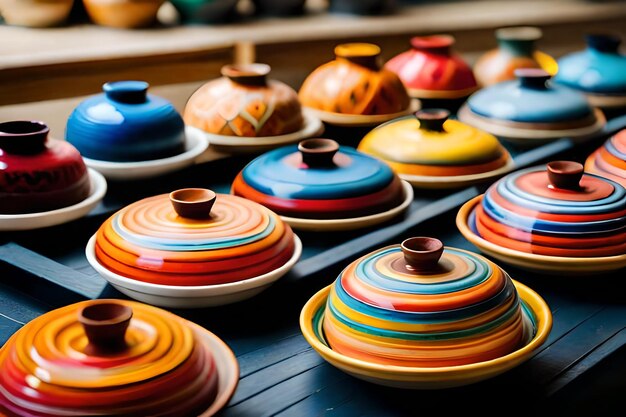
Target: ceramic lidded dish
[[609, 161], [193, 248], [125, 14], [552, 219], [516, 49], [321, 186], [35, 13], [430, 151], [421, 316], [114, 358], [246, 111], [532, 109], [598, 71], [353, 90]]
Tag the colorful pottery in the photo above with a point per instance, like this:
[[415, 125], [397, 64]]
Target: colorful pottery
[[532, 109], [362, 7], [35, 13], [543, 219], [320, 181], [609, 161], [38, 174], [597, 71], [516, 49], [430, 151], [126, 124], [279, 7], [114, 358], [126, 14], [206, 11], [354, 89], [193, 239], [418, 315]]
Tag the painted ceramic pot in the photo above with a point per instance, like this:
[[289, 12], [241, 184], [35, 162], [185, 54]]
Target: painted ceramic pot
[[362, 7], [516, 49], [598, 71], [279, 7], [35, 13], [609, 161], [430, 151], [550, 213], [125, 14], [114, 357], [354, 87], [126, 124], [245, 103], [532, 108], [37, 173], [320, 180], [431, 71], [206, 11], [418, 315]]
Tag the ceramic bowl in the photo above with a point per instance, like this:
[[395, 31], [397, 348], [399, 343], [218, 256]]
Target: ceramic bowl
[[206, 11], [430, 151], [551, 220], [123, 350], [609, 161], [123, 14], [35, 13], [598, 71]]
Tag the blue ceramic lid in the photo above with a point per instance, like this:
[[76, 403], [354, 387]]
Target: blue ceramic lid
[[530, 99], [598, 69], [126, 124]]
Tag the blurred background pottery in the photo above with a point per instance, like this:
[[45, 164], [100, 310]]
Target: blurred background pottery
[[125, 14], [279, 7], [126, 124], [362, 7], [320, 186], [433, 73], [418, 315], [598, 71], [552, 219], [75, 360], [532, 109], [609, 161], [516, 49], [430, 151], [35, 13], [206, 11]]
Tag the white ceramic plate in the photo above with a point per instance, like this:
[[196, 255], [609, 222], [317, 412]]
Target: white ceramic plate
[[236, 144], [30, 221], [316, 225], [356, 120], [125, 171], [422, 181], [175, 296]]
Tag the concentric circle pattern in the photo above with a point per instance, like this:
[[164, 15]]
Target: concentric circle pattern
[[464, 310], [525, 212], [49, 368], [609, 161], [148, 241]]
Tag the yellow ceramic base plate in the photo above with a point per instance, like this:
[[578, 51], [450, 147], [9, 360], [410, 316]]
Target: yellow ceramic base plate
[[441, 94], [556, 265], [428, 378], [356, 120], [440, 183]]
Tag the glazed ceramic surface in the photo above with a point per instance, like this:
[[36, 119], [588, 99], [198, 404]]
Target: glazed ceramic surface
[[36, 173], [35, 13], [114, 357], [362, 7], [609, 160], [244, 103], [126, 124], [279, 7], [598, 71], [428, 145], [353, 84], [318, 179], [516, 49], [126, 14], [206, 11], [432, 70]]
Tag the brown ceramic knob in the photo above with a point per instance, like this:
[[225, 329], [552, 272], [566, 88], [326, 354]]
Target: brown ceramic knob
[[432, 119], [193, 203], [23, 137], [364, 54], [534, 78], [565, 174], [318, 153], [422, 253], [248, 74], [105, 325]]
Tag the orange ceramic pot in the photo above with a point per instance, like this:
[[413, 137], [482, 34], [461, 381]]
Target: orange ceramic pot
[[609, 161], [123, 13], [35, 13], [245, 103]]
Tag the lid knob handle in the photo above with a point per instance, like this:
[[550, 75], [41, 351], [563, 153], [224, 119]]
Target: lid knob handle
[[105, 324], [247, 74], [603, 42], [432, 119], [422, 253], [518, 41], [439, 44], [364, 54], [534, 78], [193, 203], [565, 174], [23, 137], [128, 92], [318, 153]]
